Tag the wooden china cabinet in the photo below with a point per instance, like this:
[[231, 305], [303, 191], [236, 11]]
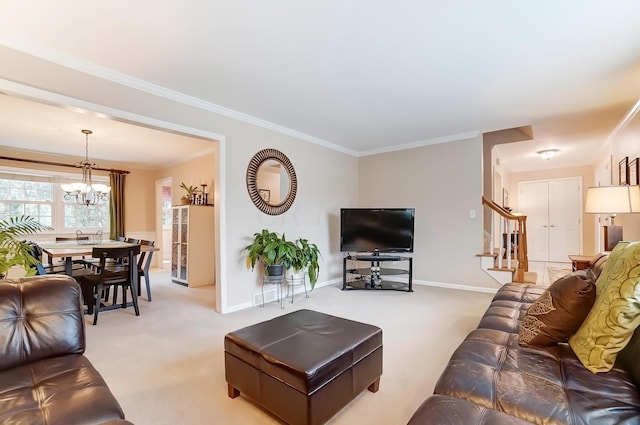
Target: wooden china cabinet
[[192, 244]]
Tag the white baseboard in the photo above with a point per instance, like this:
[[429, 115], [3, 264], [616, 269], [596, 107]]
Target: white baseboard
[[456, 286], [235, 308]]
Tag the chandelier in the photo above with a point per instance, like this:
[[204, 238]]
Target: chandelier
[[86, 193]]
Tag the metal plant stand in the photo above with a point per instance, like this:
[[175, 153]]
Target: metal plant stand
[[270, 280], [292, 282]]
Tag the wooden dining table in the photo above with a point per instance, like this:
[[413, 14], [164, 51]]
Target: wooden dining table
[[70, 249]]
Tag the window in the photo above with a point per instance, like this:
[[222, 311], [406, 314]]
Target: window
[[20, 197], [80, 216], [41, 198]]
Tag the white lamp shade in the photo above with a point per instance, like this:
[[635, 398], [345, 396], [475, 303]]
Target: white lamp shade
[[79, 187], [101, 188], [66, 187], [612, 200]]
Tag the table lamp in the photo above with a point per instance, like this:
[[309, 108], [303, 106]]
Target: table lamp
[[612, 200]]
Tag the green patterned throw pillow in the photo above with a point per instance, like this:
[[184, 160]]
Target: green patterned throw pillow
[[615, 313]]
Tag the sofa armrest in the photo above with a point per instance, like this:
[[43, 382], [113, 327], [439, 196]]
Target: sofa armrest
[[40, 317], [597, 263]]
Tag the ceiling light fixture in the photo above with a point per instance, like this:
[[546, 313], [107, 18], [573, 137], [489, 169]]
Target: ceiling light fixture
[[548, 153], [86, 193]]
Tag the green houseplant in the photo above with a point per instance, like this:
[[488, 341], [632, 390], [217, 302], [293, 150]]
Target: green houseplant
[[14, 251], [307, 257], [188, 197], [273, 250]]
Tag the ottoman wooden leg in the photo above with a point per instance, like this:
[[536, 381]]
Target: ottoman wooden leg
[[375, 386], [232, 391]]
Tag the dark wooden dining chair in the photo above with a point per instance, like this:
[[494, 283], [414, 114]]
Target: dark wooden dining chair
[[36, 253], [94, 263], [144, 262], [95, 285], [45, 268]]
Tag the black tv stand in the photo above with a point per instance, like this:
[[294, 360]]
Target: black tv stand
[[376, 277], [378, 257]]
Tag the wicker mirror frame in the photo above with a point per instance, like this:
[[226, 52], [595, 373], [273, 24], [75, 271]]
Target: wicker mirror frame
[[252, 184]]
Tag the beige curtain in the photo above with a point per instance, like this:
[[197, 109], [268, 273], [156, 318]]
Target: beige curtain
[[117, 204]]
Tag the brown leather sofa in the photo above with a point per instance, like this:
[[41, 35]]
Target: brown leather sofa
[[44, 376], [492, 379]]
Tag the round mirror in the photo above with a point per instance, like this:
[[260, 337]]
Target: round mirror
[[271, 181]]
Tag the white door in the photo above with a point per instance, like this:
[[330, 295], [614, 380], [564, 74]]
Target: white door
[[564, 219], [553, 210], [534, 203]]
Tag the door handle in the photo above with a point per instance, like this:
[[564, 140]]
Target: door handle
[[553, 225]]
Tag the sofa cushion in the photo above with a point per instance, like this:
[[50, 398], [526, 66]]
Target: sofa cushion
[[559, 311], [61, 390], [440, 410], [628, 357], [541, 385], [40, 317], [615, 313], [509, 306]]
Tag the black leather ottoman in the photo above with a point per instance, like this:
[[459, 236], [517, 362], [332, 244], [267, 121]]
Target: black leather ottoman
[[304, 366]]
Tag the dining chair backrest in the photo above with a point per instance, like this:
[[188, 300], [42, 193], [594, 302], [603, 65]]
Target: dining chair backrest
[[69, 239], [125, 278], [146, 254], [127, 253], [36, 253], [132, 240], [121, 238]]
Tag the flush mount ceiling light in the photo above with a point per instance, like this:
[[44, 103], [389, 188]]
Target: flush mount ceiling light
[[548, 153], [86, 193]]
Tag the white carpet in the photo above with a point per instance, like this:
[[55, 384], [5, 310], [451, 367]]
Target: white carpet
[[167, 366]]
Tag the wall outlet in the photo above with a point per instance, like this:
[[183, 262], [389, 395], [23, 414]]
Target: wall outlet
[[472, 213]]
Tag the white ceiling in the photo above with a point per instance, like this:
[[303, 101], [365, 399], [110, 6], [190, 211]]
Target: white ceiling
[[365, 75], [40, 127]]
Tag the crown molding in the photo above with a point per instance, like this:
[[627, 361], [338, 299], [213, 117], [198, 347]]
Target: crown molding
[[420, 143], [108, 74]]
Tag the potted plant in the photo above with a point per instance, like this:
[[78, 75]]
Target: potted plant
[[14, 251], [273, 250], [188, 197], [307, 258]]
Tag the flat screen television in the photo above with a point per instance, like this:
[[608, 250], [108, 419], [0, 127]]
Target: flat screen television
[[376, 229]]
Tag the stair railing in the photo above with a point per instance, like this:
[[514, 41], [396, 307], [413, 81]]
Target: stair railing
[[509, 223]]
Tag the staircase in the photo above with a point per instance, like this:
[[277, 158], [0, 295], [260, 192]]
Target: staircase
[[509, 261]]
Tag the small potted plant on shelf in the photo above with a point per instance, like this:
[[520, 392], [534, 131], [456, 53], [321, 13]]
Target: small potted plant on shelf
[[187, 198], [274, 251], [14, 251]]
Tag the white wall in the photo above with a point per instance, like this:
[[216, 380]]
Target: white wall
[[326, 178], [443, 183], [626, 143]]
